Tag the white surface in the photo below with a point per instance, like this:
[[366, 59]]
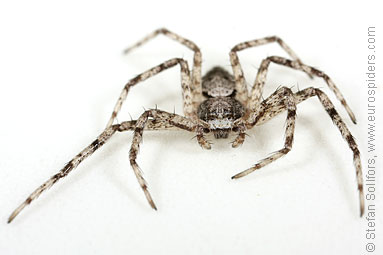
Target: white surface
[[61, 73]]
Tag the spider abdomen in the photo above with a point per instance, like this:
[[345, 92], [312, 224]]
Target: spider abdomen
[[218, 83]]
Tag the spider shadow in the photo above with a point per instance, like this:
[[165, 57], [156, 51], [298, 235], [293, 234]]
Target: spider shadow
[[121, 145], [174, 139], [262, 135], [104, 156], [332, 153], [153, 165], [99, 160], [166, 142]]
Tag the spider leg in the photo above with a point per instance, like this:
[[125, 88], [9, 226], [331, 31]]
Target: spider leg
[[150, 125], [241, 87], [164, 117], [185, 83], [286, 96], [255, 97], [240, 139], [345, 132], [268, 111], [197, 59], [89, 150]]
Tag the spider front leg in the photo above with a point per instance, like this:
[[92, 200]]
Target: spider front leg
[[85, 153], [241, 87], [285, 96], [185, 84], [167, 119], [256, 93], [72, 164]]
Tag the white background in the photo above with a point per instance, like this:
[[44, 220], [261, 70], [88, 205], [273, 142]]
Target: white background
[[61, 74]]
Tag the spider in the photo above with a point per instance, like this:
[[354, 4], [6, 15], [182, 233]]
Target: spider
[[217, 103]]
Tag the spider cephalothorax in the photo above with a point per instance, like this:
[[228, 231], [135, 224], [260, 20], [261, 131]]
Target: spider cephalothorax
[[219, 103], [220, 113]]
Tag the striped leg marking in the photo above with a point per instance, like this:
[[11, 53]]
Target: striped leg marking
[[185, 83], [286, 96], [261, 78], [163, 117], [197, 59], [271, 108], [346, 134], [89, 150], [241, 86]]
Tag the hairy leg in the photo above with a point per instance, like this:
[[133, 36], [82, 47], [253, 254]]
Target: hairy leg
[[185, 83], [345, 132], [260, 80], [197, 60], [89, 150], [283, 95], [268, 111], [241, 86], [163, 117]]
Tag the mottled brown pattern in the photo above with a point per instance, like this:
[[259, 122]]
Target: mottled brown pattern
[[287, 96], [261, 78], [241, 85], [101, 139], [197, 59], [185, 84], [218, 83], [219, 104]]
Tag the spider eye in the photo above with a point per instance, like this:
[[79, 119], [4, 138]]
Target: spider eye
[[206, 130]]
